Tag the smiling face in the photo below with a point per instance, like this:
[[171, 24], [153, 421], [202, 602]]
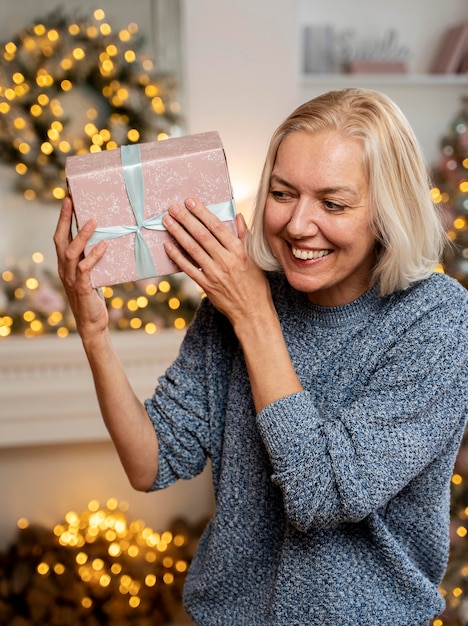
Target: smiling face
[[317, 216]]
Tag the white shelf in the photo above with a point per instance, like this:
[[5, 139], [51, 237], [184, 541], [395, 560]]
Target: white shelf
[[403, 80]]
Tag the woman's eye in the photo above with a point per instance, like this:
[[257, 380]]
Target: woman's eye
[[333, 206], [280, 196]]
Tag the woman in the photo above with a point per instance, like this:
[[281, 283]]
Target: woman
[[324, 376]]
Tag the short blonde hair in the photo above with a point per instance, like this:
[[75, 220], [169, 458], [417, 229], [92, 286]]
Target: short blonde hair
[[410, 237]]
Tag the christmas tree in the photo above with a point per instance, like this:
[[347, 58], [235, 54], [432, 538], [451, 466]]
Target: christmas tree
[[450, 176]]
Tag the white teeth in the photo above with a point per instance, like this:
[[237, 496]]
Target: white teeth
[[305, 255]]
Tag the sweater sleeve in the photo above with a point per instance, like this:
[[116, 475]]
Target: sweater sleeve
[[188, 398], [339, 461]]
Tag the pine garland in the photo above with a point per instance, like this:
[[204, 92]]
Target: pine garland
[[68, 60]]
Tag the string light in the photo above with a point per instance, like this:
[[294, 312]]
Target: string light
[[33, 303], [61, 66]]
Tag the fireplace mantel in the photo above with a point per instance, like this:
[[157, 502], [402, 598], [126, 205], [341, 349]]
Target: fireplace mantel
[[46, 389]]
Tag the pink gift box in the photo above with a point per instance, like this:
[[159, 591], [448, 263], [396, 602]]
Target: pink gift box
[[128, 190]]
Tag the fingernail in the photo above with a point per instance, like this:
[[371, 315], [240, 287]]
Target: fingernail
[[167, 220], [190, 202]]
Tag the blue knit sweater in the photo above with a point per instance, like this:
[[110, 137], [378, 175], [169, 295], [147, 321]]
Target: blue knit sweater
[[332, 504]]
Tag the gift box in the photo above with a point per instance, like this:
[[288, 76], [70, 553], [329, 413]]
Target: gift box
[[128, 191]]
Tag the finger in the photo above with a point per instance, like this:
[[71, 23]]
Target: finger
[[241, 226], [191, 235], [183, 263], [62, 234], [210, 221]]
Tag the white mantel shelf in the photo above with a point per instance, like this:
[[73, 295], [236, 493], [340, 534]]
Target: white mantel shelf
[[46, 389]]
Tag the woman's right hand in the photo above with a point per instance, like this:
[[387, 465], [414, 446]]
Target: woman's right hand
[[74, 269]]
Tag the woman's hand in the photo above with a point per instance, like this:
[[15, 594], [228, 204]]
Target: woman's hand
[[216, 260], [74, 270]]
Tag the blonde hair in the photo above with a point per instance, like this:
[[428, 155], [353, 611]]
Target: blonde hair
[[409, 233]]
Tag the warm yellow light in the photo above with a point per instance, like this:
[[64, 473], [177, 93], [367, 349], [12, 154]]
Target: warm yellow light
[[66, 64], [107, 66], [4, 107], [18, 78], [158, 105], [464, 186], [86, 603], [457, 479], [58, 193], [168, 578], [164, 286], [151, 328], [130, 56], [43, 569], [136, 323], [55, 318], [134, 602], [181, 566], [22, 523], [64, 146], [39, 30], [180, 323], [174, 303], [10, 47], [133, 28], [21, 169], [53, 35], [92, 32], [99, 15], [150, 580], [78, 54], [32, 283], [90, 129], [105, 29], [53, 134], [66, 85], [59, 568], [133, 135], [435, 194], [151, 289], [151, 91], [461, 531], [36, 110], [43, 99], [457, 592], [47, 148], [62, 332], [459, 223]]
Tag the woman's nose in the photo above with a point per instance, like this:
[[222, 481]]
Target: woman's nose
[[303, 221]]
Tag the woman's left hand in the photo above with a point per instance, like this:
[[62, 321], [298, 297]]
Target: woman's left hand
[[216, 260]]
